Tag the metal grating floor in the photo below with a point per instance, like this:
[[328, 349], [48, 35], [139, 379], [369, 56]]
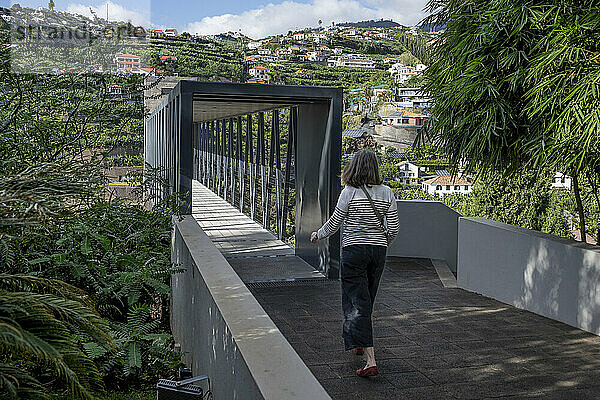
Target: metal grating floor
[[291, 283]]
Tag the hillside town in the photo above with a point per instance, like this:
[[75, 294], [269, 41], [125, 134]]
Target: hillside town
[[299, 199], [391, 112]]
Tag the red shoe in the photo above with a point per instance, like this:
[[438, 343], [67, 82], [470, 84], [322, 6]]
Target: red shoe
[[364, 372], [359, 351]]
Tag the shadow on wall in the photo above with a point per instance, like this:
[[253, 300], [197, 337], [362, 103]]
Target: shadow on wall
[[588, 315], [563, 283], [552, 276], [542, 279]]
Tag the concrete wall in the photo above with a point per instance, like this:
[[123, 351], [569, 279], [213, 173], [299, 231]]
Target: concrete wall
[[552, 276], [224, 331], [428, 229], [399, 137]]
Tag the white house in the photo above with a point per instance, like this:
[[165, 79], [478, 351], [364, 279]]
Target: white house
[[264, 52], [446, 185], [319, 37], [170, 32], [299, 36], [115, 89], [316, 56], [260, 73], [126, 63], [408, 173], [253, 45], [283, 52], [412, 97], [561, 181]]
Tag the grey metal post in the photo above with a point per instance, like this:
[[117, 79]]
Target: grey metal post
[[185, 151]]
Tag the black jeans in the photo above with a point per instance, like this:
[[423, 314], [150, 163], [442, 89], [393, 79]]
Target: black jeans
[[362, 266]]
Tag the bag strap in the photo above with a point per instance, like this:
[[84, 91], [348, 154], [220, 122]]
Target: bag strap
[[379, 216]]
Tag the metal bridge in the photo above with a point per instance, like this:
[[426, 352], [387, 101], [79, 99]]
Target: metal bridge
[[271, 151]]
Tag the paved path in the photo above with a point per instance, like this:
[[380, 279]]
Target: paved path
[[436, 343], [431, 342]]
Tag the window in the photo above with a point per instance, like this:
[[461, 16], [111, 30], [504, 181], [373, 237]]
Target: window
[[405, 121], [466, 187], [456, 187], [447, 187], [438, 187]]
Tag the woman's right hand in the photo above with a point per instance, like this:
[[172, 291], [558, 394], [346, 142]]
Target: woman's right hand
[[314, 237]]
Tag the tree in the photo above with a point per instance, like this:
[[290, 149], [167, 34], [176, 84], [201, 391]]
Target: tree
[[524, 199], [509, 86], [55, 226], [563, 100]]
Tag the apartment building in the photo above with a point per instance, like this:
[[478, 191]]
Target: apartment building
[[352, 61], [124, 62]]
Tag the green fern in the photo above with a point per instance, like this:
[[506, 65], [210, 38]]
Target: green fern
[[38, 321]]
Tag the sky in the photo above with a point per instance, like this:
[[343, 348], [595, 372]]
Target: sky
[[253, 18]]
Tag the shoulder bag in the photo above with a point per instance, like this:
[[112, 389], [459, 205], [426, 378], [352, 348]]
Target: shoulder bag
[[380, 217]]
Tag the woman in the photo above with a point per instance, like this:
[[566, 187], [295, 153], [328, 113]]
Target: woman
[[364, 245]]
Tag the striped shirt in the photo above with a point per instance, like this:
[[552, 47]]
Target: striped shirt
[[359, 222]]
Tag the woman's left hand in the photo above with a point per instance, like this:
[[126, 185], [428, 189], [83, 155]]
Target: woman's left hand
[[314, 237]]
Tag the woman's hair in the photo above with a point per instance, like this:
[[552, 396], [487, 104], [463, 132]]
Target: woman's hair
[[362, 170]]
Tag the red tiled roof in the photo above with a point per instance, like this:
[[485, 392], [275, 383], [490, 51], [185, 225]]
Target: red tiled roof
[[447, 180], [577, 234], [158, 71], [406, 114], [414, 115]]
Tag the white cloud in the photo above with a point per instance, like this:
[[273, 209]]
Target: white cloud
[[274, 19], [138, 16]]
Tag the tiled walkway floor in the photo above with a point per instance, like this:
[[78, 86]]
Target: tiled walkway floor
[[436, 343], [431, 342]]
